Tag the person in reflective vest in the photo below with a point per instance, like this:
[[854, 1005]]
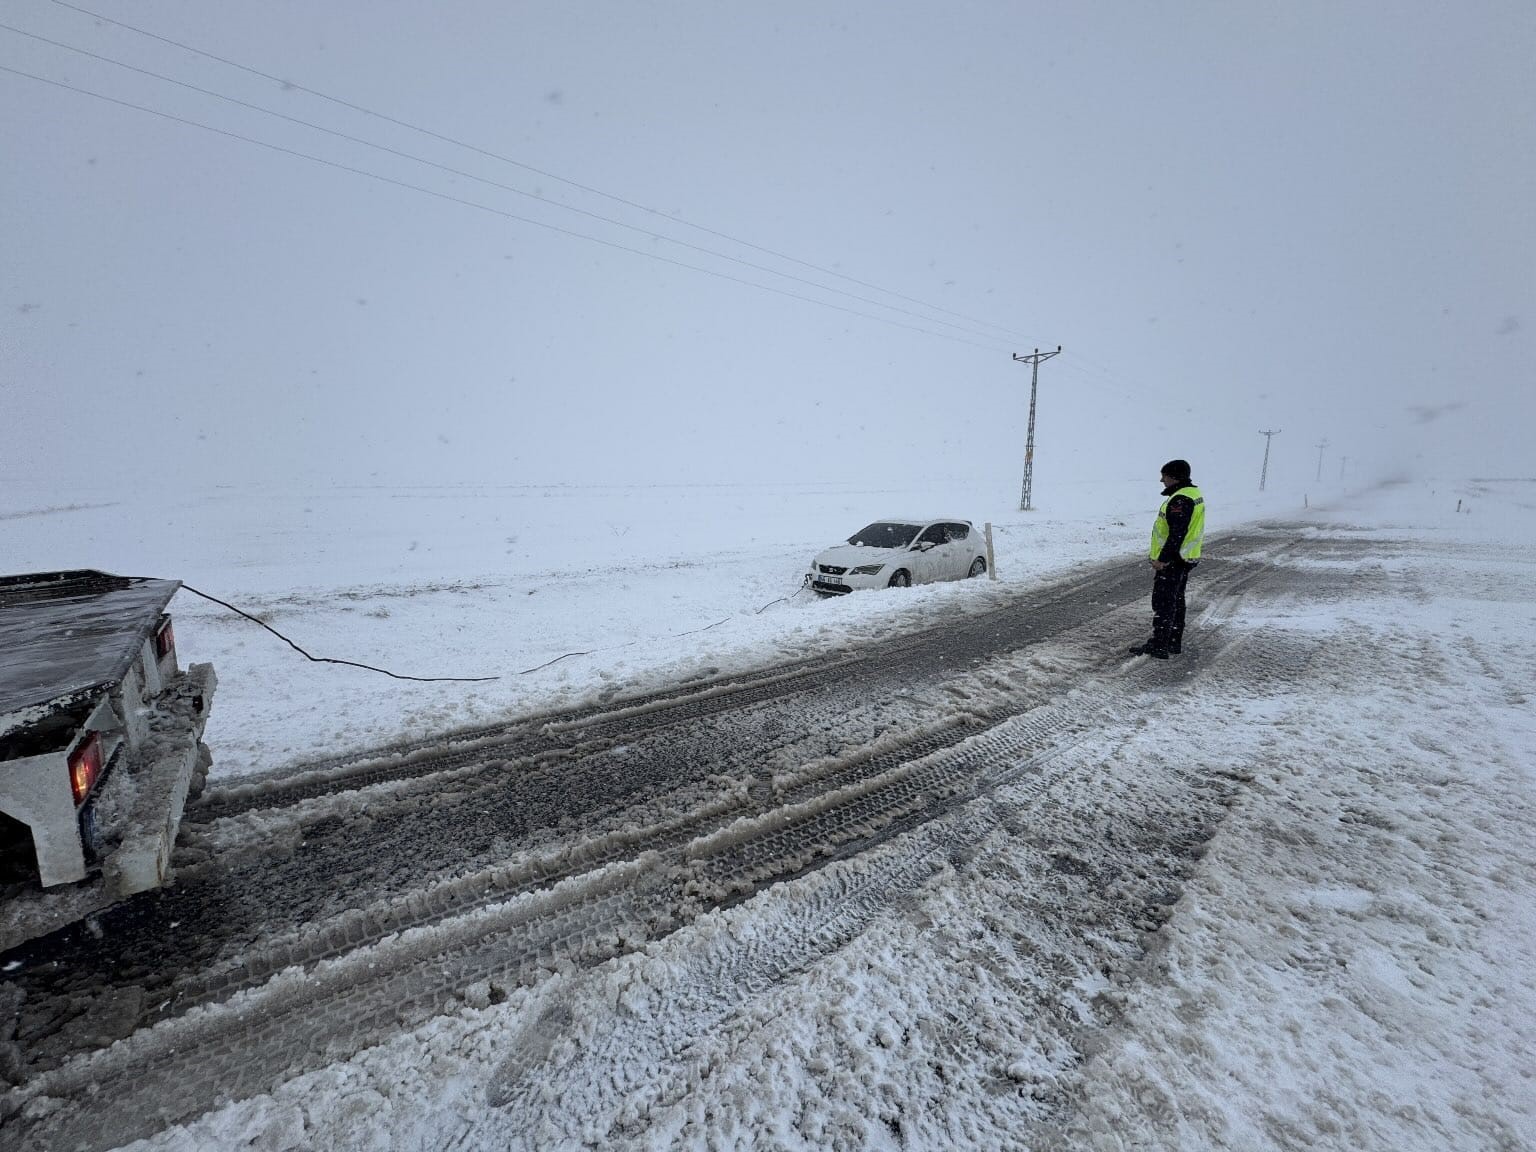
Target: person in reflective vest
[[1177, 534]]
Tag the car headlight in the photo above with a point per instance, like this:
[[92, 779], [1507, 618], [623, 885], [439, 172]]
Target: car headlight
[[866, 570]]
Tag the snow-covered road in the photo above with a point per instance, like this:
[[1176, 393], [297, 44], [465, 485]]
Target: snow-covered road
[[983, 883]]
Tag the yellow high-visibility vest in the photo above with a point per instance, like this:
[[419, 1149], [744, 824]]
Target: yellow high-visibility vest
[[1190, 549]]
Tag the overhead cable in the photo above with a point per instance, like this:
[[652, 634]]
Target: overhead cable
[[488, 208], [289, 84], [491, 183]]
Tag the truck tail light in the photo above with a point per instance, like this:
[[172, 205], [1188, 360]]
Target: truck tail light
[[165, 640], [85, 767]]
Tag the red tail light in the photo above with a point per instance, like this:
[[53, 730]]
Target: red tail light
[[165, 640], [85, 767]]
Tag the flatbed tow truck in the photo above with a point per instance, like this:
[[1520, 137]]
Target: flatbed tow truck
[[100, 744]]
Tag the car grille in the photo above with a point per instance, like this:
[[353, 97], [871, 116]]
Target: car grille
[[831, 569]]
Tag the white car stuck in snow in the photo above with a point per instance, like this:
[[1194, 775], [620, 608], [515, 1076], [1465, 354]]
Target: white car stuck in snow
[[897, 553]]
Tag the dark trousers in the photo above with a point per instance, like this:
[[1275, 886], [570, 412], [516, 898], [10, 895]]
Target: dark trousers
[[1168, 606]]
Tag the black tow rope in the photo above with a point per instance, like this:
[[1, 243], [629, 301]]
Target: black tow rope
[[447, 679], [332, 660]]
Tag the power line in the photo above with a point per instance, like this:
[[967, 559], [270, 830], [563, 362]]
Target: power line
[[1077, 362], [1094, 364], [1101, 378], [289, 84], [492, 183], [487, 208]]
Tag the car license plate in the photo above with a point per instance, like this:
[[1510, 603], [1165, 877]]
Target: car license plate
[[833, 584]]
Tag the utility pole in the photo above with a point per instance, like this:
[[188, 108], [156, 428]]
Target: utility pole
[[1320, 448], [1029, 444], [1264, 472], [1342, 463]]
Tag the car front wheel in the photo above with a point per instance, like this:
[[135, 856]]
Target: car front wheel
[[901, 579], [978, 566]]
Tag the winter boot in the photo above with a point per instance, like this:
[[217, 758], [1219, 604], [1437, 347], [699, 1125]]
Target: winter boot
[[1151, 648]]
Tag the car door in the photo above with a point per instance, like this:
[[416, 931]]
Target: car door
[[957, 550], [927, 563]]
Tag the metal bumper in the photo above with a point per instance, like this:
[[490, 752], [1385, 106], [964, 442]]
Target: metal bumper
[[173, 755]]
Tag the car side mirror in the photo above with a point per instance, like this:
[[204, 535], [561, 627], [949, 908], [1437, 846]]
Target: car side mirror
[[924, 546]]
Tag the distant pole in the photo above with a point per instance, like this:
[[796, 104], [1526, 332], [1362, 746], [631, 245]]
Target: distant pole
[[1264, 471], [1342, 463], [1033, 361], [1320, 448]]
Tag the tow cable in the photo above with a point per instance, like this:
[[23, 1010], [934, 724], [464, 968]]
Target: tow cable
[[465, 679]]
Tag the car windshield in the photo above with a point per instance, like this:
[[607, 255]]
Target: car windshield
[[885, 534]]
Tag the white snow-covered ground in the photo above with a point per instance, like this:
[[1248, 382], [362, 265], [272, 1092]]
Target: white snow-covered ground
[[1348, 965], [649, 583]]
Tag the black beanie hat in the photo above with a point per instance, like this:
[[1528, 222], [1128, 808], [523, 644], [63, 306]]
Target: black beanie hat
[[1178, 469]]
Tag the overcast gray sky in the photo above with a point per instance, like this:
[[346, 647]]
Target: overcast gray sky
[[1311, 216]]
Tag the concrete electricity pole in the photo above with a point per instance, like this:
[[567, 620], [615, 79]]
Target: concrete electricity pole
[[1264, 472], [1029, 444], [1320, 448]]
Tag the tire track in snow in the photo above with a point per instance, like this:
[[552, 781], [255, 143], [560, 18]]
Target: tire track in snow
[[523, 740], [526, 738], [319, 860], [299, 1019], [597, 1064]]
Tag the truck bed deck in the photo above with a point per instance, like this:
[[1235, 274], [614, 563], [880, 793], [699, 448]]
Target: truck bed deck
[[64, 635]]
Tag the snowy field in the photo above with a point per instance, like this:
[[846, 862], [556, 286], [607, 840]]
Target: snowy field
[[1347, 966], [649, 584]]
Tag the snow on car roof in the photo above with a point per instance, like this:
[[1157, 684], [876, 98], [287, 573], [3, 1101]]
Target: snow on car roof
[[64, 633]]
